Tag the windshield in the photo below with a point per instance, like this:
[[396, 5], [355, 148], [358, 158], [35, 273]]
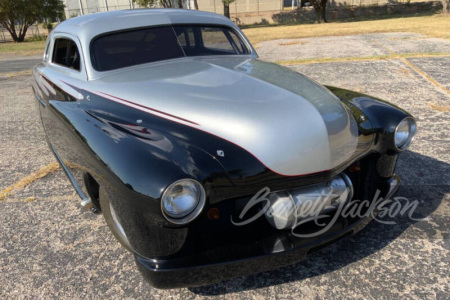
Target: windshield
[[140, 46]]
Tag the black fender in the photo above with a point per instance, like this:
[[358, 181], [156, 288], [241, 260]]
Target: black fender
[[126, 153], [374, 116]]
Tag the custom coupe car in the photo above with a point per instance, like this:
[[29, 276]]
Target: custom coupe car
[[206, 162]]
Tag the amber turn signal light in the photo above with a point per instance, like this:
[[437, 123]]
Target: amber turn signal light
[[213, 214], [354, 168]]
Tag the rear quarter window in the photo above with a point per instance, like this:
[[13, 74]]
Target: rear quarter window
[[65, 53], [215, 39]]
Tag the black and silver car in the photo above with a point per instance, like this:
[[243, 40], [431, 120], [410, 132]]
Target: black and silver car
[[206, 162]]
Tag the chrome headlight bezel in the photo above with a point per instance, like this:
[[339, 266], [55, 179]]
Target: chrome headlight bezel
[[191, 213], [404, 143]]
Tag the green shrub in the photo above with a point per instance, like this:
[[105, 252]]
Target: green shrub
[[48, 26], [36, 38]]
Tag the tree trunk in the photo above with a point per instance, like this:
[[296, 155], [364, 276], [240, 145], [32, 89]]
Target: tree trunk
[[226, 10], [21, 38], [324, 7], [320, 9], [12, 32], [16, 38], [323, 13], [319, 14], [166, 3], [445, 6]]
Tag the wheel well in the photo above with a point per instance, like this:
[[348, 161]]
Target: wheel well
[[93, 189]]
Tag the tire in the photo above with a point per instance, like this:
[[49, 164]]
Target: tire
[[111, 219]]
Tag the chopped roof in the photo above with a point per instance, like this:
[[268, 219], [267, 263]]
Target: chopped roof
[[88, 26]]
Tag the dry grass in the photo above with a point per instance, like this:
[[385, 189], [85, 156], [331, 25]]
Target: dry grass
[[406, 72], [29, 199], [425, 75], [439, 107], [434, 26], [30, 179], [401, 56], [331, 59], [294, 42], [14, 74], [357, 58], [25, 48], [47, 198]]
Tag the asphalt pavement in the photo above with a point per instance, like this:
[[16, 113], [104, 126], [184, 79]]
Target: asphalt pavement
[[17, 64]]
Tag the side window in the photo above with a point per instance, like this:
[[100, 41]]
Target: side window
[[60, 51], [74, 57], [215, 38], [65, 53], [238, 43]]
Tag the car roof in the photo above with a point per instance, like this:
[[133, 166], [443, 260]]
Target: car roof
[[88, 26]]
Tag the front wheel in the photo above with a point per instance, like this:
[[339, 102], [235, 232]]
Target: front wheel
[[112, 220]]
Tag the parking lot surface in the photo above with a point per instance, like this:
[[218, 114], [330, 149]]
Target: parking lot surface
[[14, 63], [50, 248]]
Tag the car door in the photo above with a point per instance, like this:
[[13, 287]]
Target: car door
[[59, 102]]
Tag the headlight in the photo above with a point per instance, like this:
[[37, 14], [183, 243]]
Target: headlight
[[404, 133], [183, 201]]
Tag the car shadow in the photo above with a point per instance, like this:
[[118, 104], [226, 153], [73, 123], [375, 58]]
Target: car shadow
[[424, 179]]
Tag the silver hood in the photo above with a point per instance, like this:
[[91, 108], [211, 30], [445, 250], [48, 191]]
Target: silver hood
[[291, 124]]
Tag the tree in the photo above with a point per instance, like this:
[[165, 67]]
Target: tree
[[18, 15], [163, 3], [150, 3], [226, 7], [319, 7]]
